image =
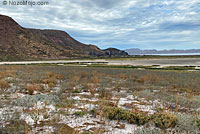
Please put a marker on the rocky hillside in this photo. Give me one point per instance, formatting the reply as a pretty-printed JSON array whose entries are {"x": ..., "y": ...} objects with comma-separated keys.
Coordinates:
[{"x": 19, "y": 43}]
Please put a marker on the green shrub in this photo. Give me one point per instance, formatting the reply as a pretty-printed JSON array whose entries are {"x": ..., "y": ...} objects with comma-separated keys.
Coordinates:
[
  {"x": 165, "y": 120},
  {"x": 138, "y": 118},
  {"x": 79, "y": 113},
  {"x": 114, "y": 113}
]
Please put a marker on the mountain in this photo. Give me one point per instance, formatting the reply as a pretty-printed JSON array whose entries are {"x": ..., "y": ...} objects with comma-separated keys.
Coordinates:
[
  {"x": 19, "y": 43},
  {"x": 136, "y": 51}
]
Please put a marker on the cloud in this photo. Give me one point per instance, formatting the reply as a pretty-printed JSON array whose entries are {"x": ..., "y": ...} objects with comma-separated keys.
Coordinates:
[{"x": 117, "y": 23}]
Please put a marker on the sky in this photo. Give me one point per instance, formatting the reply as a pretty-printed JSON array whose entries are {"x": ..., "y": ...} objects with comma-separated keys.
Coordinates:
[{"x": 123, "y": 24}]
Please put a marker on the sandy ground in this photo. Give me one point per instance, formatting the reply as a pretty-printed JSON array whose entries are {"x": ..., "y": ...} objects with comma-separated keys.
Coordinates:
[
  {"x": 143, "y": 62},
  {"x": 161, "y": 62}
]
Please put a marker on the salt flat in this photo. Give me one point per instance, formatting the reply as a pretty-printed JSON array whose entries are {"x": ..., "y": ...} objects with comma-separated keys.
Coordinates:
[
  {"x": 144, "y": 62},
  {"x": 161, "y": 62}
]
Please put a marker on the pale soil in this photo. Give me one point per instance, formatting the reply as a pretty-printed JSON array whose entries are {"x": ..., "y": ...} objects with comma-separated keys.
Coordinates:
[{"x": 137, "y": 62}]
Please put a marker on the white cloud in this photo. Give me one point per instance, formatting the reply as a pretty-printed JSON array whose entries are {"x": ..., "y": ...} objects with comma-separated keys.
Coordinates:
[{"x": 115, "y": 22}]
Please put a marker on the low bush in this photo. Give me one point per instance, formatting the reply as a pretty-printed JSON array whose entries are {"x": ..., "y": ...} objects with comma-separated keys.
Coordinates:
[
  {"x": 165, "y": 120},
  {"x": 114, "y": 113},
  {"x": 187, "y": 123},
  {"x": 138, "y": 118}
]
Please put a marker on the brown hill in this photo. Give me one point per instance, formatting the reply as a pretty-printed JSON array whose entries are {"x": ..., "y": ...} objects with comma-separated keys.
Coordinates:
[{"x": 18, "y": 43}]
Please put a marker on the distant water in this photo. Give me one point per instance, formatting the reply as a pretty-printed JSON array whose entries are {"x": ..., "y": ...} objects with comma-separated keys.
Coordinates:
[{"x": 173, "y": 54}]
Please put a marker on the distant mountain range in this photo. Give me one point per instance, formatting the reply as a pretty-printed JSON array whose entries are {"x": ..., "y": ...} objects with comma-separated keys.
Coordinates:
[
  {"x": 19, "y": 43},
  {"x": 136, "y": 51}
]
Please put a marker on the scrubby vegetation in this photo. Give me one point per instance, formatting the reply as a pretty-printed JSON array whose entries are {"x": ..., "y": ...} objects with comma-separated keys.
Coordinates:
[
  {"x": 53, "y": 98},
  {"x": 165, "y": 120}
]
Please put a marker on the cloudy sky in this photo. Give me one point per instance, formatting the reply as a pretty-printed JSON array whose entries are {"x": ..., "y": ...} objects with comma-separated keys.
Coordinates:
[{"x": 145, "y": 24}]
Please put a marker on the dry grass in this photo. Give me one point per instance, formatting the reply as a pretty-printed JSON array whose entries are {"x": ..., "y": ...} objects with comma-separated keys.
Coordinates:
[
  {"x": 51, "y": 79},
  {"x": 4, "y": 84},
  {"x": 180, "y": 88},
  {"x": 33, "y": 87}
]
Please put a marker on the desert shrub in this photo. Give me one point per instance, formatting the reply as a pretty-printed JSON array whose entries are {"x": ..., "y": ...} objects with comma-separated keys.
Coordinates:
[
  {"x": 4, "y": 84},
  {"x": 79, "y": 113},
  {"x": 148, "y": 131},
  {"x": 51, "y": 82},
  {"x": 187, "y": 123},
  {"x": 115, "y": 113},
  {"x": 51, "y": 79},
  {"x": 30, "y": 100},
  {"x": 138, "y": 118},
  {"x": 165, "y": 120},
  {"x": 33, "y": 87}
]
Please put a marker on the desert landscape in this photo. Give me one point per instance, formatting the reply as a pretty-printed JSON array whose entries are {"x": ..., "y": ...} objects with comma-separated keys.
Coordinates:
[
  {"x": 89, "y": 100},
  {"x": 99, "y": 67}
]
